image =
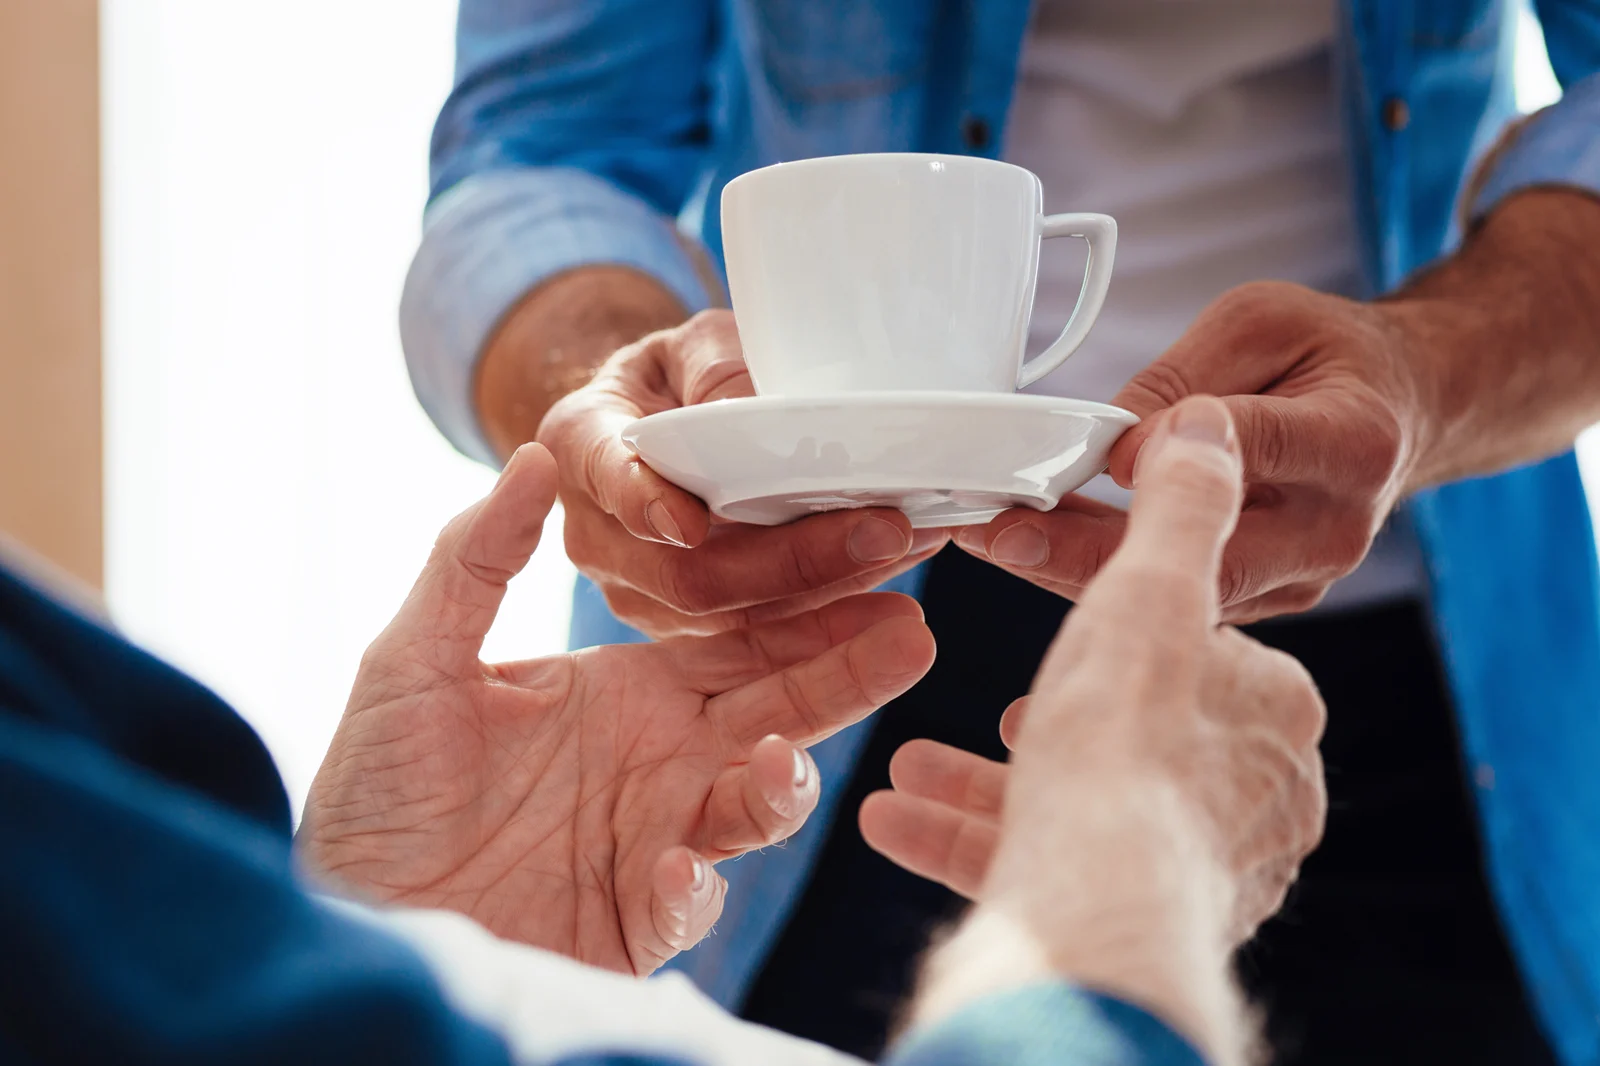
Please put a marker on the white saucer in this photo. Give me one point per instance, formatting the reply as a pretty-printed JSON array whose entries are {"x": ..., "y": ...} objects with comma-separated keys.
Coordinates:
[{"x": 944, "y": 458}]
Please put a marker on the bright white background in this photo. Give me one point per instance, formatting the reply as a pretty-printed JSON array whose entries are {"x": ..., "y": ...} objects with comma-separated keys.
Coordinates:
[{"x": 272, "y": 484}]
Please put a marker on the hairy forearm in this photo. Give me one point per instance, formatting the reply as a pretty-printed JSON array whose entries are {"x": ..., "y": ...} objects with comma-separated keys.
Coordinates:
[
  {"x": 1505, "y": 338},
  {"x": 1116, "y": 892},
  {"x": 553, "y": 341}
]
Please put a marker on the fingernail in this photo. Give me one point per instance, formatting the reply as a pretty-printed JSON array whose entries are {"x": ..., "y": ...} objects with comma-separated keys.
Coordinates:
[
  {"x": 699, "y": 881},
  {"x": 1021, "y": 545},
  {"x": 1203, "y": 419},
  {"x": 659, "y": 519},
  {"x": 785, "y": 802},
  {"x": 876, "y": 541}
]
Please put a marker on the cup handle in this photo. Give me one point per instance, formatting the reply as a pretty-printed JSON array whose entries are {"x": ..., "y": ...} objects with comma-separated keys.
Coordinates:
[{"x": 1100, "y": 232}]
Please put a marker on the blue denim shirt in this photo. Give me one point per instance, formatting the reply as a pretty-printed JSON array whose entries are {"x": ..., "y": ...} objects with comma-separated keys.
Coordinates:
[{"x": 602, "y": 131}]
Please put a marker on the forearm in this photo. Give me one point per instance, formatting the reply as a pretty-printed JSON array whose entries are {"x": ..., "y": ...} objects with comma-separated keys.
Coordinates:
[
  {"x": 1120, "y": 897},
  {"x": 1505, "y": 338},
  {"x": 555, "y": 338}
]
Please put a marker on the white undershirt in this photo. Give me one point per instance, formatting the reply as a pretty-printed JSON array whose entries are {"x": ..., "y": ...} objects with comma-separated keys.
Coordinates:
[
  {"x": 546, "y": 1006},
  {"x": 1209, "y": 130}
]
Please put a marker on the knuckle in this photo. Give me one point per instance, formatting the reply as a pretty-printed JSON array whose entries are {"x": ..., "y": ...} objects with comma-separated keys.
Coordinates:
[
  {"x": 592, "y": 467},
  {"x": 631, "y": 364},
  {"x": 1315, "y": 821},
  {"x": 1310, "y": 718},
  {"x": 1299, "y": 710},
  {"x": 800, "y": 566},
  {"x": 625, "y": 605},
  {"x": 1163, "y": 381},
  {"x": 483, "y": 571},
  {"x": 374, "y": 660},
  {"x": 712, "y": 358},
  {"x": 684, "y": 587},
  {"x": 1306, "y": 814},
  {"x": 1232, "y": 580},
  {"x": 800, "y": 701},
  {"x": 710, "y": 324},
  {"x": 1078, "y": 562},
  {"x": 1345, "y": 544},
  {"x": 1259, "y": 301},
  {"x": 557, "y": 423},
  {"x": 1267, "y": 440}
]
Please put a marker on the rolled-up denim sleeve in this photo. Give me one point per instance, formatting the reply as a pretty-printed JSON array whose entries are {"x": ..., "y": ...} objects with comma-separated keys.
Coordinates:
[
  {"x": 494, "y": 237},
  {"x": 574, "y": 135},
  {"x": 1049, "y": 1024},
  {"x": 1560, "y": 145}
]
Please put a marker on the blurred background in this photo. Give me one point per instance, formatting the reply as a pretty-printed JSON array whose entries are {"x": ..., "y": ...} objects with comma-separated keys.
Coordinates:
[{"x": 206, "y": 211}]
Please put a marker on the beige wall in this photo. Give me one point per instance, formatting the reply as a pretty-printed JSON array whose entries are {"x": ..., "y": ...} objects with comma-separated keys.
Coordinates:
[{"x": 50, "y": 477}]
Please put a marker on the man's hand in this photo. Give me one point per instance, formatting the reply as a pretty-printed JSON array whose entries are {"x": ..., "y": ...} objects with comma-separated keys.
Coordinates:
[
  {"x": 1343, "y": 408},
  {"x": 664, "y": 565},
  {"x": 1165, "y": 783},
  {"x": 578, "y": 802},
  {"x": 1329, "y": 416}
]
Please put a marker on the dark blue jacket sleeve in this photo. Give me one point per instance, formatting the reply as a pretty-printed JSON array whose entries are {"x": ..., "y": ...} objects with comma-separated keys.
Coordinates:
[
  {"x": 149, "y": 911},
  {"x": 141, "y": 922}
]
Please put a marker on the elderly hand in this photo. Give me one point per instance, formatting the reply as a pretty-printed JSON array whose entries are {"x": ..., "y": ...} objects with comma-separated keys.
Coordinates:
[
  {"x": 1166, "y": 781},
  {"x": 1330, "y": 418},
  {"x": 577, "y": 802},
  {"x": 664, "y": 565}
]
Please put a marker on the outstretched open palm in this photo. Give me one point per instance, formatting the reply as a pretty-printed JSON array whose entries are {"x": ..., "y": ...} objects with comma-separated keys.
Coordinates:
[{"x": 577, "y": 802}]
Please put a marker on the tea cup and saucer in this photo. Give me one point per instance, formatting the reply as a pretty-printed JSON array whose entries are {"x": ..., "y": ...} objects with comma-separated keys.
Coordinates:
[{"x": 882, "y": 303}]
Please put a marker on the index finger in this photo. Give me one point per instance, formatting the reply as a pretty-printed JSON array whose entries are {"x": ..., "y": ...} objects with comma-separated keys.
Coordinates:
[
  {"x": 584, "y": 433},
  {"x": 809, "y": 701},
  {"x": 723, "y": 661},
  {"x": 1238, "y": 346},
  {"x": 1332, "y": 440}
]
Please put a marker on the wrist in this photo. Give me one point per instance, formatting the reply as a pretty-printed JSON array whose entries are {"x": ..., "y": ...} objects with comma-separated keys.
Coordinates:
[
  {"x": 554, "y": 341},
  {"x": 1499, "y": 338},
  {"x": 1116, "y": 888},
  {"x": 1417, "y": 331}
]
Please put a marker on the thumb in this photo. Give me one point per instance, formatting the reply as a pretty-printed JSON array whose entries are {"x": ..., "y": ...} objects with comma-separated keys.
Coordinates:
[
  {"x": 704, "y": 360},
  {"x": 686, "y": 897},
  {"x": 1189, "y": 485},
  {"x": 459, "y": 591}
]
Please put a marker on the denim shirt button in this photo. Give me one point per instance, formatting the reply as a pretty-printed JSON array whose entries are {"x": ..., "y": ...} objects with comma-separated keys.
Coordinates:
[
  {"x": 1396, "y": 115},
  {"x": 974, "y": 132}
]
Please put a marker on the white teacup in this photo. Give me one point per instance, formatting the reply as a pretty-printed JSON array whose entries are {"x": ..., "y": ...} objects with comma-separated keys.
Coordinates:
[{"x": 898, "y": 271}]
